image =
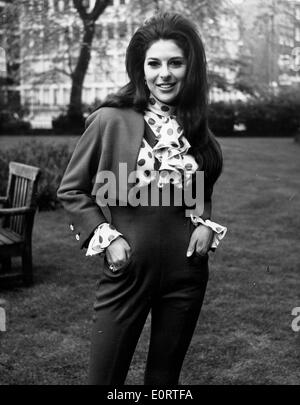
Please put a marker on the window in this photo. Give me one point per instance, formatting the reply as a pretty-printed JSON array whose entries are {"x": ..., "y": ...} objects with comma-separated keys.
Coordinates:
[
  {"x": 122, "y": 2},
  {"x": 122, "y": 29},
  {"x": 46, "y": 97},
  {"x": 36, "y": 96},
  {"x": 286, "y": 41},
  {"x": 27, "y": 96},
  {"x": 110, "y": 31},
  {"x": 66, "y": 94},
  {"x": 99, "y": 30},
  {"x": 55, "y": 96},
  {"x": 298, "y": 13}
]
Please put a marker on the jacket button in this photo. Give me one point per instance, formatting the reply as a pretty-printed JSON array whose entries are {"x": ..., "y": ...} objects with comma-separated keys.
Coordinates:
[
  {"x": 77, "y": 236},
  {"x": 72, "y": 227}
]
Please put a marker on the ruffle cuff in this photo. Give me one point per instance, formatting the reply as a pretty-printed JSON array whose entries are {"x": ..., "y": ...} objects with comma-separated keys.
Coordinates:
[
  {"x": 219, "y": 230},
  {"x": 103, "y": 236}
]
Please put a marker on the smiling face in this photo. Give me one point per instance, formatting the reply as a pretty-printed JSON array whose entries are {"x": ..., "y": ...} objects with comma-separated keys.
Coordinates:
[{"x": 165, "y": 69}]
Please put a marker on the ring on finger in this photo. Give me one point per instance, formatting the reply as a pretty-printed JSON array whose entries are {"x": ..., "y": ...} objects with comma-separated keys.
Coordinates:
[{"x": 200, "y": 254}]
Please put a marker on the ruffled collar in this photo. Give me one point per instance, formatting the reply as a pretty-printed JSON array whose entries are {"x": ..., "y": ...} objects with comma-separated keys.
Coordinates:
[{"x": 172, "y": 147}]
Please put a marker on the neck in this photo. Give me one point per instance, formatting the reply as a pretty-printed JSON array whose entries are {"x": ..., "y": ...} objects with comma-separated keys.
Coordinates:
[{"x": 159, "y": 107}]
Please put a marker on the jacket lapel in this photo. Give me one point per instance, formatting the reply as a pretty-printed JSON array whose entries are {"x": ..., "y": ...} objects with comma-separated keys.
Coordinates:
[{"x": 130, "y": 138}]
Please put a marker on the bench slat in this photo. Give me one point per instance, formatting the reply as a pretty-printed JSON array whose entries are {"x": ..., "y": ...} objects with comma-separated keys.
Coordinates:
[
  {"x": 5, "y": 241},
  {"x": 7, "y": 235}
]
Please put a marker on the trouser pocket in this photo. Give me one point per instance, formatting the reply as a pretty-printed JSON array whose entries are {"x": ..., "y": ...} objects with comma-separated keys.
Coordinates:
[{"x": 120, "y": 272}]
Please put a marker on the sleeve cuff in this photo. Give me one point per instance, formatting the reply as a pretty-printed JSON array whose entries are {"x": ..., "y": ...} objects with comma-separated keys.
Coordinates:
[
  {"x": 219, "y": 230},
  {"x": 103, "y": 236}
]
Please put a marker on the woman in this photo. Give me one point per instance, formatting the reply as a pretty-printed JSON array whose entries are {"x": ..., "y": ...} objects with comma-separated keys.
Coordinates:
[{"x": 153, "y": 257}]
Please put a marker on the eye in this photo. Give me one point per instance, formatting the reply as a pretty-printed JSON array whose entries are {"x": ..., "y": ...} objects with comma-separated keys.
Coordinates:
[
  {"x": 153, "y": 63},
  {"x": 177, "y": 63}
]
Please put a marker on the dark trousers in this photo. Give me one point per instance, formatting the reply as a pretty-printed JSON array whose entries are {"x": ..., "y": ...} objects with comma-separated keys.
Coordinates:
[{"x": 158, "y": 278}]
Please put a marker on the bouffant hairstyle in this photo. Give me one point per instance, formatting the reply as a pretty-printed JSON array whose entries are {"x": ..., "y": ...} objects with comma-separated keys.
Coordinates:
[{"x": 192, "y": 103}]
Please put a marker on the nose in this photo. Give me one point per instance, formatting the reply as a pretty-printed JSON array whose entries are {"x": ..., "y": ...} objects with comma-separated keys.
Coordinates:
[{"x": 164, "y": 72}]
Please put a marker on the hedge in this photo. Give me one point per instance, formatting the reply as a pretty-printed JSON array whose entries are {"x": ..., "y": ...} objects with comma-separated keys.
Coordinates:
[
  {"x": 278, "y": 116},
  {"x": 275, "y": 117},
  {"x": 63, "y": 124}
]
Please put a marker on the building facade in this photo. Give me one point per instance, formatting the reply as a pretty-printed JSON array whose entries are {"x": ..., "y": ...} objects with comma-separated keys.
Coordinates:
[
  {"x": 49, "y": 51},
  {"x": 271, "y": 33},
  {"x": 50, "y": 32},
  {"x": 265, "y": 33},
  {"x": 9, "y": 60}
]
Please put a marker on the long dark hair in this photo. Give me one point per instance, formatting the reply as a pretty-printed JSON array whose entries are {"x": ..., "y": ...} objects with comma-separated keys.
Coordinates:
[{"x": 193, "y": 98}]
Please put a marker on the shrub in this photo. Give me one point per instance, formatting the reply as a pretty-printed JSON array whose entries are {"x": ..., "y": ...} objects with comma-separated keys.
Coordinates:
[
  {"x": 63, "y": 124},
  {"x": 51, "y": 159},
  {"x": 276, "y": 117},
  {"x": 221, "y": 118},
  {"x": 11, "y": 123}
]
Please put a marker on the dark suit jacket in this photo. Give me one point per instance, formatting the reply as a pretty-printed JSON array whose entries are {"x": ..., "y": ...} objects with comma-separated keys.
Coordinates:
[{"x": 112, "y": 136}]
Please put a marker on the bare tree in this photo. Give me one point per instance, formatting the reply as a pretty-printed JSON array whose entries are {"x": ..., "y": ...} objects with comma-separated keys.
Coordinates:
[
  {"x": 65, "y": 37},
  {"x": 88, "y": 20}
]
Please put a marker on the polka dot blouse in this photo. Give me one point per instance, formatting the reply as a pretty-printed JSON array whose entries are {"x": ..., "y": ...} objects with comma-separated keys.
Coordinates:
[{"x": 170, "y": 151}]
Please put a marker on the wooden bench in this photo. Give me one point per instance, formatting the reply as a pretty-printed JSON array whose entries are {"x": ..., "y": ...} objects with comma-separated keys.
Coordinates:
[{"x": 16, "y": 220}]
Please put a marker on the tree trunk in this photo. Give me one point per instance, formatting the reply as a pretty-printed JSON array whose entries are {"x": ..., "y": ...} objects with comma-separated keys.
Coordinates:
[{"x": 75, "y": 106}]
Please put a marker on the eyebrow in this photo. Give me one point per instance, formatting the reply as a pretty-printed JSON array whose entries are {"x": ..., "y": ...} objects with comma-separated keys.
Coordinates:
[{"x": 173, "y": 57}]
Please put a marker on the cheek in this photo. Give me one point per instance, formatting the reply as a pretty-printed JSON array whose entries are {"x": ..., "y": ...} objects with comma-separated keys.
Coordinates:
[
  {"x": 149, "y": 75},
  {"x": 181, "y": 74}
]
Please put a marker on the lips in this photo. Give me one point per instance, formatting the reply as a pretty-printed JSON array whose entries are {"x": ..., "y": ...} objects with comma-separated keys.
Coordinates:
[{"x": 166, "y": 85}]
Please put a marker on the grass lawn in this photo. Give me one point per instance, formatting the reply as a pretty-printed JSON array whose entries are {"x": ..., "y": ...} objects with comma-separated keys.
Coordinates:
[
  {"x": 11, "y": 141},
  {"x": 244, "y": 333}
]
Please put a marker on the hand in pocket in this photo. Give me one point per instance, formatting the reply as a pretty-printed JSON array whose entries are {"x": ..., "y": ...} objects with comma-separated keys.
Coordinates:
[
  {"x": 118, "y": 253},
  {"x": 200, "y": 241}
]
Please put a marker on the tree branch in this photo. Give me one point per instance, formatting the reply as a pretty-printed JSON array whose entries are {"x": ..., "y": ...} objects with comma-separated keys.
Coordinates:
[
  {"x": 99, "y": 7},
  {"x": 78, "y": 4},
  {"x": 69, "y": 43}
]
